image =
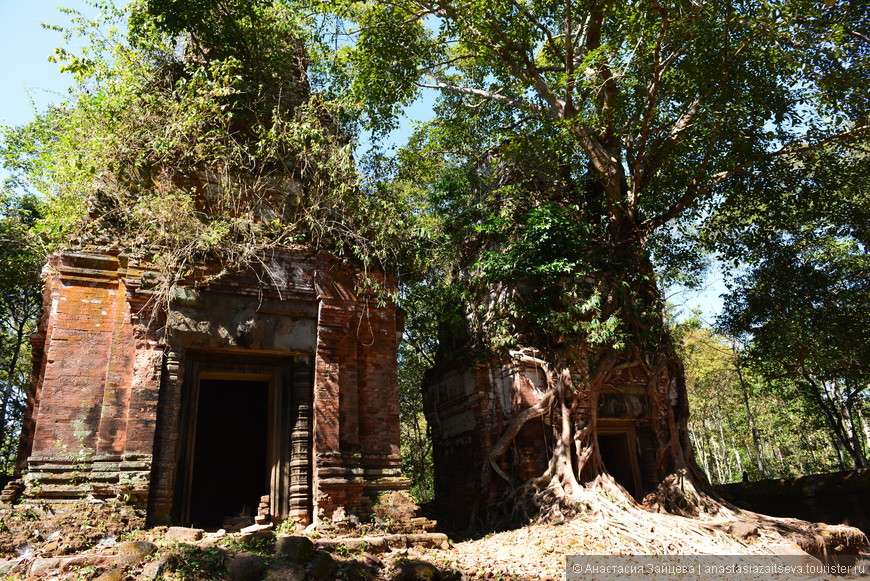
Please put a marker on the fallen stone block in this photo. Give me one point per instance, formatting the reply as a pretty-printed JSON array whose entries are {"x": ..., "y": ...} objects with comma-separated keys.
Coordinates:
[
  {"x": 183, "y": 534},
  {"x": 132, "y": 552},
  {"x": 246, "y": 567},
  {"x": 295, "y": 549},
  {"x": 285, "y": 572}
]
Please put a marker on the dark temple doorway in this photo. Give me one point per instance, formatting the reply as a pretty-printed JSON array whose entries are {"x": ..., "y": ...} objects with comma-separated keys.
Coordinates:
[
  {"x": 620, "y": 459},
  {"x": 230, "y": 459}
]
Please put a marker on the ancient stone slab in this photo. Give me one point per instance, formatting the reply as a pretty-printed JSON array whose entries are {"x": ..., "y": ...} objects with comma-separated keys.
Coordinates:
[
  {"x": 285, "y": 572},
  {"x": 322, "y": 566},
  {"x": 156, "y": 569},
  {"x": 246, "y": 567},
  {"x": 132, "y": 552},
  {"x": 296, "y": 549},
  {"x": 416, "y": 570},
  {"x": 183, "y": 534}
]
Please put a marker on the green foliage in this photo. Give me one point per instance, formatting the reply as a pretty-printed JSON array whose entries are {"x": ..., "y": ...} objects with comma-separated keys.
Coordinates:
[
  {"x": 581, "y": 153},
  {"x": 194, "y": 135},
  {"x": 792, "y": 437},
  {"x": 803, "y": 302},
  {"x": 572, "y": 145},
  {"x": 807, "y": 308},
  {"x": 20, "y": 303},
  {"x": 416, "y": 356},
  {"x": 415, "y": 435},
  {"x": 384, "y": 65},
  {"x": 560, "y": 160}
]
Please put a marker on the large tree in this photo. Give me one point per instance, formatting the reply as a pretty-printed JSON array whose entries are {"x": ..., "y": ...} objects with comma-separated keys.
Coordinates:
[
  {"x": 20, "y": 303},
  {"x": 574, "y": 148},
  {"x": 802, "y": 304}
]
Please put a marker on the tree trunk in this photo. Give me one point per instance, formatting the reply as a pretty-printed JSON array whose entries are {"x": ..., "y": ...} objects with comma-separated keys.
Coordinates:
[
  {"x": 576, "y": 462},
  {"x": 725, "y": 475},
  {"x": 840, "y": 439},
  {"x": 863, "y": 421},
  {"x": 756, "y": 439},
  {"x": 855, "y": 431},
  {"x": 10, "y": 377}
]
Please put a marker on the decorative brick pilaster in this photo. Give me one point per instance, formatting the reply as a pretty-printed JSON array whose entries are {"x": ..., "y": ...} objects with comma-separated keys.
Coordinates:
[
  {"x": 300, "y": 441},
  {"x": 166, "y": 438}
]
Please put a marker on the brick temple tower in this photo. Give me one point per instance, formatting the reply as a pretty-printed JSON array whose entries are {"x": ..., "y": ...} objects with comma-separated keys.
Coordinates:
[{"x": 278, "y": 380}]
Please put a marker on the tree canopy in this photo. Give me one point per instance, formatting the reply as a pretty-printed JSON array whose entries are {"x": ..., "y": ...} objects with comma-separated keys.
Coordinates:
[
  {"x": 802, "y": 304},
  {"x": 193, "y": 133},
  {"x": 622, "y": 129}
]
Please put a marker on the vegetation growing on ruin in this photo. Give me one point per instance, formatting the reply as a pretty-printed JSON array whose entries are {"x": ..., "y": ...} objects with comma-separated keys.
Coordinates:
[
  {"x": 581, "y": 157},
  {"x": 195, "y": 133}
]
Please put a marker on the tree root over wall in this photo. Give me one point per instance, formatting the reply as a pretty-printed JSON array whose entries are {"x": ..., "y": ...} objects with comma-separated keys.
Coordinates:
[{"x": 576, "y": 485}]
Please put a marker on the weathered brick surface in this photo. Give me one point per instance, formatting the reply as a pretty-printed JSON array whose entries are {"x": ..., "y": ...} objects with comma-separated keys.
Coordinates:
[
  {"x": 106, "y": 409},
  {"x": 469, "y": 405},
  {"x": 356, "y": 428}
]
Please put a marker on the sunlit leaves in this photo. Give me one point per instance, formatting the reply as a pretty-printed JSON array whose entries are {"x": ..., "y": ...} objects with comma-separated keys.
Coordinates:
[
  {"x": 792, "y": 438},
  {"x": 194, "y": 133}
]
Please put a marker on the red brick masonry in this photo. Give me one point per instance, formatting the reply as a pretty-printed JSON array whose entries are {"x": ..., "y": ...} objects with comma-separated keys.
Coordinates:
[{"x": 116, "y": 379}]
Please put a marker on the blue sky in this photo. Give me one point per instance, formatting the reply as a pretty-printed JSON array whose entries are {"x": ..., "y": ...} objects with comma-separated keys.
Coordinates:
[
  {"x": 28, "y": 77},
  {"x": 31, "y": 83}
]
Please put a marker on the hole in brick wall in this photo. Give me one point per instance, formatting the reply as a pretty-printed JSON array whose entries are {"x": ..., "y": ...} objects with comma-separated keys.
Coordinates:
[
  {"x": 616, "y": 452},
  {"x": 230, "y": 455}
]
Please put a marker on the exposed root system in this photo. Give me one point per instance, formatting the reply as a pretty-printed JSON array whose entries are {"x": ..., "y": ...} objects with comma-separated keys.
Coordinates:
[{"x": 606, "y": 523}]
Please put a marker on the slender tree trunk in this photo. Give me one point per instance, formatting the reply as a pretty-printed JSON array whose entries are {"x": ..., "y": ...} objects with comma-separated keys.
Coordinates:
[
  {"x": 756, "y": 439},
  {"x": 782, "y": 465},
  {"x": 712, "y": 465},
  {"x": 841, "y": 455},
  {"x": 863, "y": 420},
  {"x": 809, "y": 446},
  {"x": 737, "y": 458},
  {"x": 700, "y": 452},
  {"x": 10, "y": 377},
  {"x": 854, "y": 429},
  {"x": 723, "y": 453},
  {"x": 840, "y": 439}
]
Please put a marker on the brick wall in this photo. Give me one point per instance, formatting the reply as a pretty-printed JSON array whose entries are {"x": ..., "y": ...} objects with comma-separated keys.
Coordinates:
[
  {"x": 469, "y": 405},
  {"x": 106, "y": 410}
]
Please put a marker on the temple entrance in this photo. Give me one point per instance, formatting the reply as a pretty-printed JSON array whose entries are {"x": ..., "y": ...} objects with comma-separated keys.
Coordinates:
[
  {"x": 230, "y": 460},
  {"x": 618, "y": 446},
  {"x": 245, "y": 432}
]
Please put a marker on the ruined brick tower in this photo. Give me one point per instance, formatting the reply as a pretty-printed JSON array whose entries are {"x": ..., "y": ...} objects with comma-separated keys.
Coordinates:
[
  {"x": 279, "y": 380},
  {"x": 470, "y": 405}
]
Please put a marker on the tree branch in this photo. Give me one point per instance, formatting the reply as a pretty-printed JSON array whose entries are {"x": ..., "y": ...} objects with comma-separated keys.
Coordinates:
[
  {"x": 489, "y": 95},
  {"x": 652, "y": 100},
  {"x": 570, "y": 79},
  {"x": 649, "y": 165},
  {"x": 526, "y": 69},
  {"x": 695, "y": 192},
  {"x": 536, "y": 22}
]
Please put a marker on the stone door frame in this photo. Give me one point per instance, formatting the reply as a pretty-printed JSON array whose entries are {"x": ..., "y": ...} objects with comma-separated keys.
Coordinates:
[
  {"x": 290, "y": 384},
  {"x": 628, "y": 429}
]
